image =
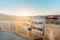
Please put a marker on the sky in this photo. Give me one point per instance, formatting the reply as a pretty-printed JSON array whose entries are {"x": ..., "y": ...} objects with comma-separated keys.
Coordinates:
[{"x": 30, "y": 7}]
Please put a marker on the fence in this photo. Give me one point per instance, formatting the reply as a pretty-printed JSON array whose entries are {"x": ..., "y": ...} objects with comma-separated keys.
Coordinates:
[{"x": 17, "y": 27}]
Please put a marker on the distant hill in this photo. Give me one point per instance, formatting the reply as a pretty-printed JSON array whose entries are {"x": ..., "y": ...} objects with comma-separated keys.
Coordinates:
[{"x": 8, "y": 17}]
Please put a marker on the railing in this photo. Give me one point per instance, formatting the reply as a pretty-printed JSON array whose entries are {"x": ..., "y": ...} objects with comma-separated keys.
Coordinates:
[
  {"x": 7, "y": 25},
  {"x": 13, "y": 26}
]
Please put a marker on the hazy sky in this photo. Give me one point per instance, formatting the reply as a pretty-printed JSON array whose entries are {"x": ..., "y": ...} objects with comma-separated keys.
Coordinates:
[{"x": 29, "y": 7}]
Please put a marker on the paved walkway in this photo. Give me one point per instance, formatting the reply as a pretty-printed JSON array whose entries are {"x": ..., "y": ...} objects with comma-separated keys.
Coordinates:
[{"x": 7, "y": 35}]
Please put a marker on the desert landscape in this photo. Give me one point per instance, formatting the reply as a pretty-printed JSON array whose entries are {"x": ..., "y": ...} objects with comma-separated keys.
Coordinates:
[{"x": 21, "y": 25}]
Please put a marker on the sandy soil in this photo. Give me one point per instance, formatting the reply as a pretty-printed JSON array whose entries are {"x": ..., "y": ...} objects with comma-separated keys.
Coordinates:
[{"x": 52, "y": 32}]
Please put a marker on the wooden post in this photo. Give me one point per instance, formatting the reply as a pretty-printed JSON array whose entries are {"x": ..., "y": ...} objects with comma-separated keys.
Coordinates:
[{"x": 44, "y": 28}]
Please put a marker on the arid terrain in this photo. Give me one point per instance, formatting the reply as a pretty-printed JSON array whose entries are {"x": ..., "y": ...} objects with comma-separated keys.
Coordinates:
[
  {"x": 20, "y": 25},
  {"x": 53, "y": 32}
]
